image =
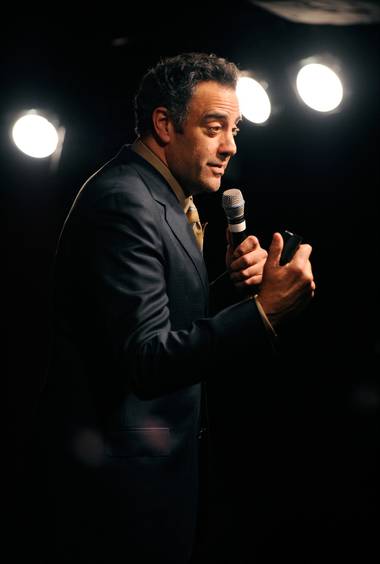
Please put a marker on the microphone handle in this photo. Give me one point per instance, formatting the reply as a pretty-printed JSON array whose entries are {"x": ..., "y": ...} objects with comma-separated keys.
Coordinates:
[{"x": 238, "y": 237}]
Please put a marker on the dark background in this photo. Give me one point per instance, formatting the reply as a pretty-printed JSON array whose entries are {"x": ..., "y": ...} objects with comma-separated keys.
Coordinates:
[{"x": 314, "y": 414}]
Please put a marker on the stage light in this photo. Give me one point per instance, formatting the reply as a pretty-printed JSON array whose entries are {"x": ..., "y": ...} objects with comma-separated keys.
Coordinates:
[
  {"x": 319, "y": 87},
  {"x": 35, "y": 135},
  {"x": 253, "y": 99}
]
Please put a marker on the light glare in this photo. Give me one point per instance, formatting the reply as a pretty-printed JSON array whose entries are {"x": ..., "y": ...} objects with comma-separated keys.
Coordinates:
[
  {"x": 35, "y": 136},
  {"x": 319, "y": 87},
  {"x": 253, "y": 99}
]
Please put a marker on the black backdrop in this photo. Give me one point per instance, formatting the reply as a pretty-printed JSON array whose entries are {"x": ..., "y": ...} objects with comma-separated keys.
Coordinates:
[{"x": 315, "y": 413}]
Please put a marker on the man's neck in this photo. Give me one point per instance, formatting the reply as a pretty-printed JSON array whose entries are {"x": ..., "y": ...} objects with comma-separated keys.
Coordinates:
[
  {"x": 146, "y": 152},
  {"x": 155, "y": 147}
]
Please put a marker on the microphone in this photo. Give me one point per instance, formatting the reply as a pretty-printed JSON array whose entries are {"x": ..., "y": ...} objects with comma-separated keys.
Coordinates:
[{"x": 233, "y": 205}]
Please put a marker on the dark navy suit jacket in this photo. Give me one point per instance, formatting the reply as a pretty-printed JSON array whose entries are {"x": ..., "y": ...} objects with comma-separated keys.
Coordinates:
[{"x": 132, "y": 340}]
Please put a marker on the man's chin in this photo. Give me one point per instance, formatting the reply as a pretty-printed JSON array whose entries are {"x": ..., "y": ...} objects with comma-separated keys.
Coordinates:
[
  {"x": 213, "y": 185},
  {"x": 208, "y": 187}
]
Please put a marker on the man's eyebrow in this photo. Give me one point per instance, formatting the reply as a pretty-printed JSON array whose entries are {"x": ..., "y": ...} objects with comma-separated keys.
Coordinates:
[{"x": 220, "y": 115}]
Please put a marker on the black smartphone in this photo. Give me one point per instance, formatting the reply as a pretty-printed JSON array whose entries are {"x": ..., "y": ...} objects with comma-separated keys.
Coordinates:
[{"x": 291, "y": 244}]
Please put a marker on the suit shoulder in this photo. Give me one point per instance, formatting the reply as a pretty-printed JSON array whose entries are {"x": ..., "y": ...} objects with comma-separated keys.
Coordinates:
[
  {"x": 116, "y": 179},
  {"x": 116, "y": 183}
]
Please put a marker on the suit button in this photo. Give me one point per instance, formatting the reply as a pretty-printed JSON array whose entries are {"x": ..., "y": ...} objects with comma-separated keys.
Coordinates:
[{"x": 201, "y": 433}]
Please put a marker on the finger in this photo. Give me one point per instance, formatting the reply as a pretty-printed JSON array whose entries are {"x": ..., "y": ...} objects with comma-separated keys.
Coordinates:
[
  {"x": 253, "y": 281},
  {"x": 229, "y": 236},
  {"x": 257, "y": 257},
  {"x": 303, "y": 253},
  {"x": 249, "y": 244},
  {"x": 275, "y": 249},
  {"x": 228, "y": 258},
  {"x": 255, "y": 270},
  {"x": 307, "y": 289}
]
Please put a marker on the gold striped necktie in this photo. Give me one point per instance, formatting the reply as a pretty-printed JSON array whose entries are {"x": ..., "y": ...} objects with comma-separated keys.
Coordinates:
[{"x": 193, "y": 219}]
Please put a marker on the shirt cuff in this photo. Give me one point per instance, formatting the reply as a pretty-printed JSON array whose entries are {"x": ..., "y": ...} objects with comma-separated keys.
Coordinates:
[{"x": 264, "y": 317}]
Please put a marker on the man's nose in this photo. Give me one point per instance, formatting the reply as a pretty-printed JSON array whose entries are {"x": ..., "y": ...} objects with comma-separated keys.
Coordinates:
[{"x": 228, "y": 146}]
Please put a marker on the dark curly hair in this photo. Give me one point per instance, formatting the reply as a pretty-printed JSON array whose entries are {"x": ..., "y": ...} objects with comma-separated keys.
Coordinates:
[{"x": 171, "y": 84}]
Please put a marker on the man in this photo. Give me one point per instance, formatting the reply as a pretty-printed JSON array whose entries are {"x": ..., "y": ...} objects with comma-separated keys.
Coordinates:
[{"x": 132, "y": 334}]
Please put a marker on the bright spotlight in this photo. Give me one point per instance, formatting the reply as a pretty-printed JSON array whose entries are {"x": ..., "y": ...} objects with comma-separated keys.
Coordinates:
[
  {"x": 35, "y": 136},
  {"x": 253, "y": 99},
  {"x": 319, "y": 87}
]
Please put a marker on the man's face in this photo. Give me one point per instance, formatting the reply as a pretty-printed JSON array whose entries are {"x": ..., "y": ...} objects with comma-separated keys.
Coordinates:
[{"x": 198, "y": 156}]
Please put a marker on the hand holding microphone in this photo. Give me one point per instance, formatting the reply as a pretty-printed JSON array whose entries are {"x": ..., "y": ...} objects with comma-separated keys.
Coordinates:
[
  {"x": 285, "y": 275},
  {"x": 245, "y": 258}
]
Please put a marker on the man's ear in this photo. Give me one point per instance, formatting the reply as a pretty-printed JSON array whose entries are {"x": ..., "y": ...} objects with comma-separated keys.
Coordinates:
[{"x": 161, "y": 124}]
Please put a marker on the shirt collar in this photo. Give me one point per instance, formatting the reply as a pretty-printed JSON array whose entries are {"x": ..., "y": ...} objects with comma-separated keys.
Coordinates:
[{"x": 146, "y": 153}]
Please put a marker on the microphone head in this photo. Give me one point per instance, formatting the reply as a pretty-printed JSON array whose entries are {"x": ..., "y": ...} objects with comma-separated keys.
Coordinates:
[{"x": 233, "y": 203}]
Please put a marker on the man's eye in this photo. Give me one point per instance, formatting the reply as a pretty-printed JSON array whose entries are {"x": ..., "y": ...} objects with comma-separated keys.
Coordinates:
[
  {"x": 214, "y": 128},
  {"x": 235, "y": 131}
]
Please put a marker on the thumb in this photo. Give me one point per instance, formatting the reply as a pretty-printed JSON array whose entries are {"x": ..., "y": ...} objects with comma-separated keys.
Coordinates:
[
  {"x": 229, "y": 249},
  {"x": 275, "y": 249},
  {"x": 229, "y": 236}
]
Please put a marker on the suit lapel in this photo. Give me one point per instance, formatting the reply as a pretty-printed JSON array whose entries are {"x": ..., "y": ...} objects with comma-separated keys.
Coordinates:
[
  {"x": 174, "y": 215},
  {"x": 183, "y": 231}
]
